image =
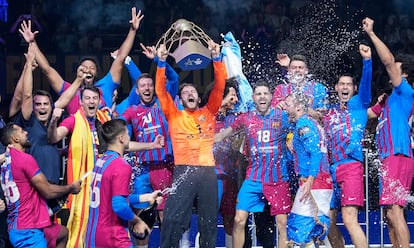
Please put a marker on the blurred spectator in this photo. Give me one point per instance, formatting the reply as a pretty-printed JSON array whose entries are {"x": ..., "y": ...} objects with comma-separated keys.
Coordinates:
[
  {"x": 275, "y": 15},
  {"x": 261, "y": 32}
]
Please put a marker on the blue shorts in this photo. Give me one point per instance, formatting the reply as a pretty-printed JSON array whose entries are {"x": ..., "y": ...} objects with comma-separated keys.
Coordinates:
[
  {"x": 253, "y": 195},
  {"x": 27, "y": 238},
  {"x": 142, "y": 185},
  {"x": 250, "y": 197}
]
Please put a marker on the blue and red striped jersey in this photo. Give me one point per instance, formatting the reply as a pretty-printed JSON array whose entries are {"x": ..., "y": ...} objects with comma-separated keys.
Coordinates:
[
  {"x": 393, "y": 130},
  {"x": 147, "y": 122},
  {"x": 266, "y": 140}
]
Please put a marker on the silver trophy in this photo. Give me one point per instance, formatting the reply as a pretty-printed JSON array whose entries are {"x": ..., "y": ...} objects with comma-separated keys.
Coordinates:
[{"x": 187, "y": 44}]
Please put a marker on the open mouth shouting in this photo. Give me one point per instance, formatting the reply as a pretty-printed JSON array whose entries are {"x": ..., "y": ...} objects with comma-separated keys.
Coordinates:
[
  {"x": 42, "y": 115},
  {"x": 344, "y": 95},
  {"x": 88, "y": 79},
  {"x": 91, "y": 110},
  {"x": 147, "y": 96},
  {"x": 191, "y": 99}
]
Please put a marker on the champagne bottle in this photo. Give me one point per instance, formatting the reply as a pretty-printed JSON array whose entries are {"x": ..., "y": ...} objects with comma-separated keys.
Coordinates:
[{"x": 149, "y": 216}]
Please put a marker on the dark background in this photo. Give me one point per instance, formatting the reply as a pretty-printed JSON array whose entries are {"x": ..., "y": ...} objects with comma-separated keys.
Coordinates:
[{"x": 327, "y": 32}]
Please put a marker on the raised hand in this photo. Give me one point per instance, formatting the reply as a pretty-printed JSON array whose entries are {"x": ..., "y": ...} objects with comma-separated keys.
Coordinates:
[
  {"x": 149, "y": 51},
  {"x": 135, "y": 18},
  {"x": 26, "y": 31},
  {"x": 162, "y": 52},
  {"x": 82, "y": 73},
  {"x": 57, "y": 113},
  {"x": 282, "y": 59},
  {"x": 114, "y": 54},
  {"x": 365, "y": 51},
  {"x": 214, "y": 48},
  {"x": 30, "y": 56},
  {"x": 368, "y": 25}
]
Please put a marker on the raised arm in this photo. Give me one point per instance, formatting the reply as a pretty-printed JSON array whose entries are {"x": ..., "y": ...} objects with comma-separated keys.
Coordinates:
[
  {"x": 170, "y": 73},
  {"x": 387, "y": 58},
  {"x": 220, "y": 75},
  {"x": 166, "y": 101},
  {"x": 365, "y": 85},
  {"x": 283, "y": 60},
  {"x": 16, "y": 101},
  {"x": 117, "y": 64},
  {"x": 55, "y": 80},
  {"x": 27, "y": 101},
  {"x": 55, "y": 133},
  {"x": 134, "y": 72},
  {"x": 23, "y": 91},
  {"x": 70, "y": 92}
]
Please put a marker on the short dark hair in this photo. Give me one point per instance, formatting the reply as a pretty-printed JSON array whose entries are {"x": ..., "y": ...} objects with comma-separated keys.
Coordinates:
[
  {"x": 112, "y": 128},
  {"x": 91, "y": 88},
  {"x": 143, "y": 75},
  {"x": 299, "y": 57},
  {"x": 184, "y": 85},
  {"x": 90, "y": 58},
  {"x": 346, "y": 74},
  {"x": 230, "y": 83},
  {"x": 6, "y": 133},
  {"x": 44, "y": 93},
  {"x": 407, "y": 66},
  {"x": 259, "y": 83}
]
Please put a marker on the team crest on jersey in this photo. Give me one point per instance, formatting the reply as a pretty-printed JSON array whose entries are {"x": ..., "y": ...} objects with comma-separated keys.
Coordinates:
[
  {"x": 201, "y": 118},
  {"x": 276, "y": 124}
]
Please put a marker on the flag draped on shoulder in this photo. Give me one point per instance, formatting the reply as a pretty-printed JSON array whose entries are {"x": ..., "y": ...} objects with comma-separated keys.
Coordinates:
[{"x": 81, "y": 159}]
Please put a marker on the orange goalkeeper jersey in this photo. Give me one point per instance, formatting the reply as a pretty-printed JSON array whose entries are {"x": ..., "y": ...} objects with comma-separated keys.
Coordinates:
[{"x": 192, "y": 133}]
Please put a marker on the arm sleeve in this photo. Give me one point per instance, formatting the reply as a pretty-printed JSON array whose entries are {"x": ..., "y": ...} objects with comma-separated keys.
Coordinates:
[
  {"x": 133, "y": 71},
  {"x": 311, "y": 142},
  {"x": 121, "y": 207},
  {"x": 69, "y": 123},
  {"x": 107, "y": 86},
  {"x": 405, "y": 90},
  {"x": 134, "y": 199},
  {"x": 172, "y": 79},
  {"x": 166, "y": 101},
  {"x": 133, "y": 97},
  {"x": 216, "y": 95},
  {"x": 65, "y": 85},
  {"x": 122, "y": 107},
  {"x": 364, "y": 92}
]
